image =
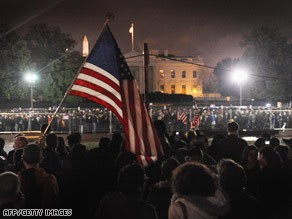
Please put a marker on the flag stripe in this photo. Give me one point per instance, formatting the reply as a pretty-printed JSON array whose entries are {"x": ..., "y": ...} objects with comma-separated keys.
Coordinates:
[
  {"x": 128, "y": 119},
  {"x": 116, "y": 97},
  {"x": 145, "y": 125},
  {"x": 102, "y": 72},
  {"x": 101, "y": 77},
  {"x": 100, "y": 96},
  {"x": 93, "y": 98},
  {"x": 133, "y": 114}
]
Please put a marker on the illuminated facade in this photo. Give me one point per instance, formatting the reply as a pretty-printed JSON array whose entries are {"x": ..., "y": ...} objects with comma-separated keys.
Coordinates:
[{"x": 168, "y": 74}]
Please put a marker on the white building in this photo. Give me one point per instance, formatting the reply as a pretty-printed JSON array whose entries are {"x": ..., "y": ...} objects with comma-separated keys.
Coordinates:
[{"x": 168, "y": 74}]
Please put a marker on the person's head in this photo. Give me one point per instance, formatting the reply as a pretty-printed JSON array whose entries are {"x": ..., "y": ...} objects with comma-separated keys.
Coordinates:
[
  {"x": 17, "y": 156},
  {"x": 131, "y": 179},
  {"x": 268, "y": 157},
  {"x": 274, "y": 142},
  {"x": 200, "y": 141},
  {"x": 104, "y": 142},
  {"x": 2, "y": 143},
  {"x": 124, "y": 158},
  {"x": 32, "y": 154},
  {"x": 260, "y": 142},
  {"x": 160, "y": 127},
  {"x": 73, "y": 139},
  {"x": 266, "y": 136},
  {"x": 117, "y": 140},
  {"x": 193, "y": 179},
  {"x": 52, "y": 140},
  {"x": 195, "y": 153},
  {"x": 167, "y": 167},
  {"x": 232, "y": 128},
  {"x": 181, "y": 154},
  {"x": 284, "y": 152},
  {"x": 20, "y": 142},
  {"x": 250, "y": 155},
  {"x": 191, "y": 135},
  {"x": 9, "y": 187},
  {"x": 232, "y": 177}
]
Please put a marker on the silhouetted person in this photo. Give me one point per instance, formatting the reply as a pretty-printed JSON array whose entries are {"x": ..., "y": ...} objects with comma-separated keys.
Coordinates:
[{"x": 232, "y": 146}]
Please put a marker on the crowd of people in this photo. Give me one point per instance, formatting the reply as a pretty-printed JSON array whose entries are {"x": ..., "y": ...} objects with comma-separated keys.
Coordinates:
[
  {"x": 96, "y": 120},
  {"x": 194, "y": 179}
]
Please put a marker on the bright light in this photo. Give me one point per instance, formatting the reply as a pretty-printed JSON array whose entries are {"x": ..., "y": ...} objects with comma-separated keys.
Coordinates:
[
  {"x": 268, "y": 105},
  {"x": 31, "y": 78},
  {"x": 239, "y": 75}
]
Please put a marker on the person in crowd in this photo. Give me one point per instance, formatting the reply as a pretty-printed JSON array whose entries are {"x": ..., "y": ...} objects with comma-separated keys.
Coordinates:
[
  {"x": 39, "y": 188},
  {"x": 196, "y": 193},
  {"x": 104, "y": 143},
  {"x": 260, "y": 142},
  {"x": 232, "y": 146},
  {"x": 250, "y": 163},
  {"x": 127, "y": 203},
  {"x": 161, "y": 131},
  {"x": 232, "y": 180},
  {"x": 270, "y": 183},
  {"x": 160, "y": 193},
  {"x": 196, "y": 154},
  {"x": 212, "y": 148},
  {"x": 19, "y": 142},
  {"x": 17, "y": 162},
  {"x": 50, "y": 162},
  {"x": 10, "y": 195},
  {"x": 274, "y": 142},
  {"x": 72, "y": 140},
  {"x": 181, "y": 155},
  {"x": 2, "y": 144}
]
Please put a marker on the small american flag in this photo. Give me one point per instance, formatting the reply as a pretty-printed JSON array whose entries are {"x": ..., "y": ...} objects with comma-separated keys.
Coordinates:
[
  {"x": 195, "y": 122},
  {"x": 183, "y": 117},
  {"x": 106, "y": 78}
]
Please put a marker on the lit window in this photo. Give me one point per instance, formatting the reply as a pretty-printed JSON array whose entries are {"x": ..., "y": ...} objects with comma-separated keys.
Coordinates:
[
  {"x": 173, "y": 89},
  {"x": 184, "y": 90},
  {"x": 172, "y": 74},
  {"x": 162, "y": 88},
  {"x": 183, "y": 74},
  {"x": 161, "y": 73},
  {"x": 194, "y": 74}
]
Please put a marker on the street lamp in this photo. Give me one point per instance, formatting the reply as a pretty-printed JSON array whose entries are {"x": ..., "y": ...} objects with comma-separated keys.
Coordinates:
[
  {"x": 239, "y": 75},
  {"x": 31, "y": 78}
]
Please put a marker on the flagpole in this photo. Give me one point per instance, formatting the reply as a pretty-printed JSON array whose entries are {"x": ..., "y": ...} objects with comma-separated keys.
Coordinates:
[
  {"x": 109, "y": 17},
  {"x": 132, "y": 37}
]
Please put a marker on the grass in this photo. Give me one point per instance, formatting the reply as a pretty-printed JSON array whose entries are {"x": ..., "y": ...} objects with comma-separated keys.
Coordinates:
[{"x": 90, "y": 144}]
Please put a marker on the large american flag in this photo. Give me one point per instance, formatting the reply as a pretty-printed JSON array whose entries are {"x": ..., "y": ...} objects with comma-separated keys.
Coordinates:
[{"x": 106, "y": 78}]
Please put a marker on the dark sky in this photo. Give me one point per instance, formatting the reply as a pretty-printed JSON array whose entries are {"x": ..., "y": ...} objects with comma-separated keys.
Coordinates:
[{"x": 213, "y": 29}]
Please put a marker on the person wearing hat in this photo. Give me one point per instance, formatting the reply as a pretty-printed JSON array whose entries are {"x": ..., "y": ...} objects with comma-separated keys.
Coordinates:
[{"x": 40, "y": 188}]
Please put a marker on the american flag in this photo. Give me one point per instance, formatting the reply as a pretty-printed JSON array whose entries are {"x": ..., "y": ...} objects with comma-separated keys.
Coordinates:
[
  {"x": 195, "y": 122},
  {"x": 183, "y": 117},
  {"x": 106, "y": 78}
]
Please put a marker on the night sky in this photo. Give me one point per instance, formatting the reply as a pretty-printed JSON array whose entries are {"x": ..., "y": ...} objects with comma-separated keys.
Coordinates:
[{"x": 212, "y": 29}]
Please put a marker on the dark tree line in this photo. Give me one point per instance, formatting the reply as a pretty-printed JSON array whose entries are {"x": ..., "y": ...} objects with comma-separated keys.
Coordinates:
[
  {"x": 44, "y": 50},
  {"x": 268, "y": 58}
]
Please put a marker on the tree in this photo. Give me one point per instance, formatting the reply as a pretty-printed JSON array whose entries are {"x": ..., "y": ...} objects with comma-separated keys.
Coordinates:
[
  {"x": 57, "y": 63},
  {"x": 59, "y": 77},
  {"x": 269, "y": 55},
  {"x": 223, "y": 71},
  {"x": 14, "y": 61},
  {"x": 209, "y": 81}
]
